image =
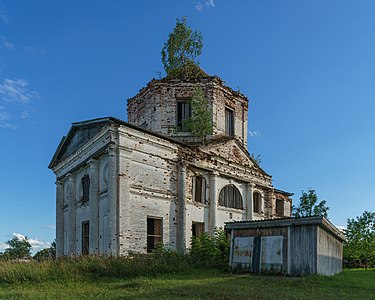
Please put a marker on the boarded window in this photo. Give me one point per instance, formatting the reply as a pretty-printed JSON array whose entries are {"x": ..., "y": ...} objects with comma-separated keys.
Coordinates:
[
  {"x": 197, "y": 229},
  {"x": 280, "y": 207},
  {"x": 85, "y": 188},
  {"x": 257, "y": 202},
  {"x": 200, "y": 189},
  {"x": 154, "y": 233},
  {"x": 183, "y": 113},
  {"x": 229, "y": 122},
  {"x": 85, "y": 237},
  {"x": 230, "y": 196}
]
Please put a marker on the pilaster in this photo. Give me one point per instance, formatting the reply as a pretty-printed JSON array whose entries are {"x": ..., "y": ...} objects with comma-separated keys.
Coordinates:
[
  {"x": 112, "y": 200},
  {"x": 181, "y": 208},
  {"x": 59, "y": 219},
  {"x": 94, "y": 207},
  {"x": 249, "y": 201},
  {"x": 71, "y": 196},
  {"x": 213, "y": 203}
]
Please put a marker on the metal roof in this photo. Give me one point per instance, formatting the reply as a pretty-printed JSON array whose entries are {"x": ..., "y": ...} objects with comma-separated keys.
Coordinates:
[{"x": 316, "y": 220}]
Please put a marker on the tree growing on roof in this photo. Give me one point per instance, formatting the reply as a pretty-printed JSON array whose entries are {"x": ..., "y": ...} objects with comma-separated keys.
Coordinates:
[
  {"x": 309, "y": 206},
  {"x": 179, "y": 54},
  {"x": 200, "y": 121}
]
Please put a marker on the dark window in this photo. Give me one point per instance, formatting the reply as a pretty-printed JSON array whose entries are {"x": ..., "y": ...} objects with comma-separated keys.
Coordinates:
[
  {"x": 229, "y": 122},
  {"x": 183, "y": 112},
  {"x": 197, "y": 229},
  {"x": 230, "y": 196},
  {"x": 85, "y": 188},
  {"x": 85, "y": 237},
  {"x": 279, "y": 207},
  {"x": 200, "y": 189},
  {"x": 154, "y": 233},
  {"x": 257, "y": 202}
]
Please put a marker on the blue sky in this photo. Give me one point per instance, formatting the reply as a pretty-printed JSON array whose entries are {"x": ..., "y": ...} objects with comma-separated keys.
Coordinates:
[{"x": 307, "y": 67}]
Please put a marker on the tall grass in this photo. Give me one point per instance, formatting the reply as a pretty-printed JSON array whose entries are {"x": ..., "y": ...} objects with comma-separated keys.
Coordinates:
[
  {"x": 206, "y": 252},
  {"x": 91, "y": 267}
]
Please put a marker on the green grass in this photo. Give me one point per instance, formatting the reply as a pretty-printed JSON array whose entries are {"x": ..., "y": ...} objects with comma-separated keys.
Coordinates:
[{"x": 94, "y": 278}]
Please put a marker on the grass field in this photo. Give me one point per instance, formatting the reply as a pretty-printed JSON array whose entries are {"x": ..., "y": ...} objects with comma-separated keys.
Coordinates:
[{"x": 196, "y": 284}]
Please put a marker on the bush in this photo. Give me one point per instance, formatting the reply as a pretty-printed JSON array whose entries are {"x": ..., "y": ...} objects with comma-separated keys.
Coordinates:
[{"x": 210, "y": 252}]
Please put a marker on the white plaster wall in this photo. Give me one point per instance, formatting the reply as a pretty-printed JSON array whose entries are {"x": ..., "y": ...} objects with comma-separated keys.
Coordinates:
[{"x": 148, "y": 178}]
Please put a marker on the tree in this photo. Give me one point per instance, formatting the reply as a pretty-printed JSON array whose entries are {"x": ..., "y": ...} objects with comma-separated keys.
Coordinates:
[
  {"x": 181, "y": 50},
  {"x": 359, "y": 250},
  {"x": 200, "y": 122},
  {"x": 309, "y": 206},
  {"x": 256, "y": 158},
  {"x": 18, "y": 248},
  {"x": 47, "y": 253}
]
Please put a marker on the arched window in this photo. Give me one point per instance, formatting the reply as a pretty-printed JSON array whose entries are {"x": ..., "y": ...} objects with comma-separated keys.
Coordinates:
[
  {"x": 200, "y": 189},
  {"x": 230, "y": 196},
  {"x": 85, "y": 181},
  {"x": 257, "y": 202}
]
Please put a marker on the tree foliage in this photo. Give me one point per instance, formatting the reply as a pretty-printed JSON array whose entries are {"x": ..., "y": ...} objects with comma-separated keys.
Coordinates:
[
  {"x": 256, "y": 158},
  {"x": 207, "y": 251},
  {"x": 309, "y": 205},
  {"x": 18, "y": 248},
  {"x": 47, "y": 253},
  {"x": 359, "y": 251},
  {"x": 200, "y": 122},
  {"x": 179, "y": 54}
]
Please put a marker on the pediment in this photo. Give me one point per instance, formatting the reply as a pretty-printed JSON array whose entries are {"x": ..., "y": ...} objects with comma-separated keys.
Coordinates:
[
  {"x": 232, "y": 151},
  {"x": 78, "y": 135}
]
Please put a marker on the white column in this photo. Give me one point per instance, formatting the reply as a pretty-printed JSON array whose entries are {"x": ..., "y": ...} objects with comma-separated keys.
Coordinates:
[
  {"x": 94, "y": 207},
  {"x": 59, "y": 219},
  {"x": 112, "y": 201},
  {"x": 71, "y": 197},
  {"x": 213, "y": 203},
  {"x": 181, "y": 208},
  {"x": 249, "y": 201}
]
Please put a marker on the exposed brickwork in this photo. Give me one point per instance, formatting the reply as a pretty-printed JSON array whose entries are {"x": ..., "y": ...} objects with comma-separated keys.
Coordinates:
[{"x": 154, "y": 107}]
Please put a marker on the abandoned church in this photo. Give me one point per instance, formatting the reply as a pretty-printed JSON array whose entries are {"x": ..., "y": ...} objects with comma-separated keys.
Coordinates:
[{"x": 127, "y": 186}]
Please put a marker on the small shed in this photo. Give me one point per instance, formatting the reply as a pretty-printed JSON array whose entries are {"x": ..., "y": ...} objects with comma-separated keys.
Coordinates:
[{"x": 289, "y": 246}]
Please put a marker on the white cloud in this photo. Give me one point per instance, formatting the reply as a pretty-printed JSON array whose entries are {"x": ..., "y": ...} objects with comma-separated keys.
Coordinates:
[
  {"x": 210, "y": 3},
  {"x": 17, "y": 91},
  {"x": 50, "y": 226},
  {"x": 4, "y": 16},
  {"x": 341, "y": 228},
  {"x": 6, "y": 44},
  {"x": 36, "y": 244},
  {"x": 5, "y": 119},
  {"x": 254, "y": 133},
  {"x": 3, "y": 246},
  {"x": 34, "y": 50},
  {"x": 25, "y": 114}
]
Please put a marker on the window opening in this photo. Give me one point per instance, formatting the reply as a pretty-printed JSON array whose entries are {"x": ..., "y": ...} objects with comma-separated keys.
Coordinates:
[
  {"x": 85, "y": 188},
  {"x": 85, "y": 237},
  {"x": 197, "y": 229},
  {"x": 200, "y": 189},
  {"x": 154, "y": 233},
  {"x": 279, "y": 207},
  {"x": 257, "y": 198},
  {"x": 231, "y": 197},
  {"x": 183, "y": 113},
  {"x": 229, "y": 122}
]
